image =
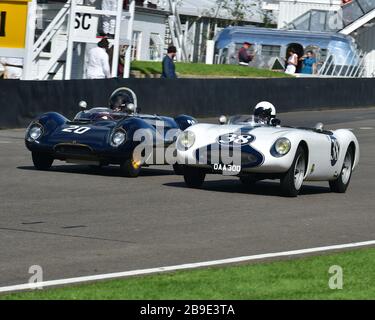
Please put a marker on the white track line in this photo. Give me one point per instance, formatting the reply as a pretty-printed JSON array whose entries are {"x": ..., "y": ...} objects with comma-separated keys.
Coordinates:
[{"x": 196, "y": 265}]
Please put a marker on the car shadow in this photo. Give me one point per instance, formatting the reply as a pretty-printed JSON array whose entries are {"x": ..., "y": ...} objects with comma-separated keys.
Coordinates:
[
  {"x": 264, "y": 188},
  {"x": 111, "y": 171}
]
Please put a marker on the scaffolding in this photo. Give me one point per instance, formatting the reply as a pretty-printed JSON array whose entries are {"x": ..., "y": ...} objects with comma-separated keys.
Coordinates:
[{"x": 75, "y": 23}]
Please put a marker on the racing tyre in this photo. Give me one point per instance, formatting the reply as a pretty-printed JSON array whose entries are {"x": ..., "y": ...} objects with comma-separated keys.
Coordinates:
[
  {"x": 42, "y": 161},
  {"x": 342, "y": 182},
  {"x": 130, "y": 169},
  {"x": 178, "y": 169},
  {"x": 194, "y": 177},
  {"x": 248, "y": 180},
  {"x": 291, "y": 182}
]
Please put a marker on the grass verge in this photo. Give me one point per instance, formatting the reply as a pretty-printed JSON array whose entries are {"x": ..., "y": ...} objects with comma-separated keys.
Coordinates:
[
  {"x": 302, "y": 278},
  {"x": 198, "y": 69}
]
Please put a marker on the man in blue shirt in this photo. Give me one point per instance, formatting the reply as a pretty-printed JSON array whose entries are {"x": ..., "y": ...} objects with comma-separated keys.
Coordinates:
[{"x": 169, "y": 69}]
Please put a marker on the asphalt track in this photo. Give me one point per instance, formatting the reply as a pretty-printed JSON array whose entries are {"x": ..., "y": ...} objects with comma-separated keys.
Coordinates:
[{"x": 75, "y": 222}]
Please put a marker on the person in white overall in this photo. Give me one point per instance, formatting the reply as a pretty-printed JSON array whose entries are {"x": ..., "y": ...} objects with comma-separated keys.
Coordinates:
[{"x": 97, "y": 63}]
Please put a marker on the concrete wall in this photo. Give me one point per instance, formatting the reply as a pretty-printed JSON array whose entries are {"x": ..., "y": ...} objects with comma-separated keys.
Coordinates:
[{"x": 22, "y": 101}]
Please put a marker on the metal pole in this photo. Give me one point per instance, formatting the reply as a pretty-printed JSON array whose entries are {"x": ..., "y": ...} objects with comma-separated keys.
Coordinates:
[
  {"x": 349, "y": 67},
  {"x": 129, "y": 37},
  {"x": 193, "y": 41},
  {"x": 69, "y": 51},
  {"x": 342, "y": 67},
  {"x": 29, "y": 43},
  {"x": 321, "y": 70},
  {"x": 185, "y": 40},
  {"x": 355, "y": 69},
  {"x": 358, "y": 71},
  {"x": 116, "y": 44},
  {"x": 329, "y": 66}
]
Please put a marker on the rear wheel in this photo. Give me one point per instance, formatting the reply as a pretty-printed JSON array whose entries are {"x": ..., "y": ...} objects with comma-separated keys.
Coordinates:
[
  {"x": 291, "y": 182},
  {"x": 194, "y": 177},
  {"x": 130, "y": 168},
  {"x": 342, "y": 182},
  {"x": 42, "y": 161}
]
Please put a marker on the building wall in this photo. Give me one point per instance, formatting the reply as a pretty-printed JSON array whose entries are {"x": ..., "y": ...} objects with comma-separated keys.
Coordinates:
[
  {"x": 289, "y": 10},
  {"x": 146, "y": 24}
]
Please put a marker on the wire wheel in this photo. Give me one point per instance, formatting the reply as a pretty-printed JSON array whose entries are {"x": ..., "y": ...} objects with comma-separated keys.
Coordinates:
[
  {"x": 347, "y": 168},
  {"x": 299, "y": 171},
  {"x": 340, "y": 185}
]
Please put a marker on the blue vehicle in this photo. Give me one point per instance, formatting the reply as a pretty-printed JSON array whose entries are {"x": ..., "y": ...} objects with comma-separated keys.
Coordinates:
[{"x": 104, "y": 136}]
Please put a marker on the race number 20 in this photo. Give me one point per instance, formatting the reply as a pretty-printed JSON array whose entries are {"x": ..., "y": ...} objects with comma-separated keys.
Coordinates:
[
  {"x": 3, "y": 16},
  {"x": 76, "y": 129}
]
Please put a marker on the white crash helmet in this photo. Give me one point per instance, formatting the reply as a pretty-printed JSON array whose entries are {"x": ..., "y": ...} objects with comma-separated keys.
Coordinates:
[{"x": 264, "y": 111}]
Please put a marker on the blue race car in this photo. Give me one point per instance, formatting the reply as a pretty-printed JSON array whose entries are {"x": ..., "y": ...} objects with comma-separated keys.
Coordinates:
[{"x": 104, "y": 136}]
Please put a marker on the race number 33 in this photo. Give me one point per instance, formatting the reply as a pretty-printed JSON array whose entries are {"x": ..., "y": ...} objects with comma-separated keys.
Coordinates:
[{"x": 3, "y": 16}]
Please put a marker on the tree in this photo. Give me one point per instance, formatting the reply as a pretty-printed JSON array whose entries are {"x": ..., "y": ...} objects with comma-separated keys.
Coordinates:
[{"x": 238, "y": 11}]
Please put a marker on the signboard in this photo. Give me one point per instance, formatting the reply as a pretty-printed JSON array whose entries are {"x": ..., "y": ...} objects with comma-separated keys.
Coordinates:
[
  {"x": 86, "y": 27},
  {"x": 13, "y": 19}
]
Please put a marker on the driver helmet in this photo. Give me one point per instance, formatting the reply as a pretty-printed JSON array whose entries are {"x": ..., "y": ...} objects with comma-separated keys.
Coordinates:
[
  {"x": 264, "y": 112},
  {"x": 122, "y": 101}
]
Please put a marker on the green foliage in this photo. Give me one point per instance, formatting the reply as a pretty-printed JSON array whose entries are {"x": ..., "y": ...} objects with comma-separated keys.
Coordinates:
[{"x": 198, "y": 69}]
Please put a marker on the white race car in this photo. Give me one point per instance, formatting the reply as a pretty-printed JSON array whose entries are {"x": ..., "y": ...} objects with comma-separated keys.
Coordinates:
[{"x": 257, "y": 148}]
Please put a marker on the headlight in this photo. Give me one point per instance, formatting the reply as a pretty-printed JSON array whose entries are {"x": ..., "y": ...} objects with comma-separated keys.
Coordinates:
[
  {"x": 118, "y": 138},
  {"x": 186, "y": 140},
  {"x": 282, "y": 146},
  {"x": 34, "y": 132}
]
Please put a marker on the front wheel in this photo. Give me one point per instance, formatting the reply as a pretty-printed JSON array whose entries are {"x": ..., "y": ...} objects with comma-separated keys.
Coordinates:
[
  {"x": 342, "y": 182},
  {"x": 292, "y": 180},
  {"x": 42, "y": 161},
  {"x": 130, "y": 168},
  {"x": 194, "y": 177}
]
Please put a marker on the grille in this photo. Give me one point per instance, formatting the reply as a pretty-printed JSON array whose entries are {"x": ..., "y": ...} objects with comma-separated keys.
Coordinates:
[{"x": 73, "y": 150}]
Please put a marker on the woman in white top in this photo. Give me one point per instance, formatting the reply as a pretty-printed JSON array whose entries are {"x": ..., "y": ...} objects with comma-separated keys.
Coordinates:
[{"x": 292, "y": 62}]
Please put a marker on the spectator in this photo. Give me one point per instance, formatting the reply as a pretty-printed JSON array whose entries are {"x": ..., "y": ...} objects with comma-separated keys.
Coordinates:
[
  {"x": 292, "y": 62},
  {"x": 109, "y": 22},
  {"x": 169, "y": 68},
  {"x": 97, "y": 64},
  {"x": 13, "y": 67},
  {"x": 244, "y": 57},
  {"x": 308, "y": 63}
]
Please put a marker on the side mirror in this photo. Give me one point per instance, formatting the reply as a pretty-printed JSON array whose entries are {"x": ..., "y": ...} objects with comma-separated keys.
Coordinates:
[
  {"x": 82, "y": 105},
  {"x": 319, "y": 127},
  {"x": 275, "y": 122},
  {"x": 223, "y": 120}
]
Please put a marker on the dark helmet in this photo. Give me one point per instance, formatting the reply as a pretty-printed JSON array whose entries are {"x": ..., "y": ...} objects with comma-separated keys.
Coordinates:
[{"x": 122, "y": 100}]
